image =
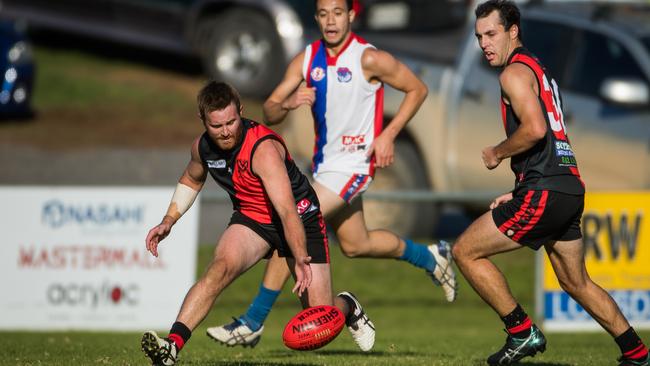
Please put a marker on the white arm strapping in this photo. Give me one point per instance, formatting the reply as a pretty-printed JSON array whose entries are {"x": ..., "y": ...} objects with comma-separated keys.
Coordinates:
[{"x": 182, "y": 200}]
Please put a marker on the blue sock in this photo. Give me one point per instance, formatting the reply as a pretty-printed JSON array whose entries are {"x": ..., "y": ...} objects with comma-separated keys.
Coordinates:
[
  {"x": 418, "y": 255},
  {"x": 260, "y": 308}
]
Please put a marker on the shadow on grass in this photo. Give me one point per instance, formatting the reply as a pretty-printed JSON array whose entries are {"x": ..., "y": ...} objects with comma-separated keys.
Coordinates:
[
  {"x": 342, "y": 352},
  {"x": 371, "y": 353},
  {"x": 541, "y": 363},
  {"x": 253, "y": 363}
]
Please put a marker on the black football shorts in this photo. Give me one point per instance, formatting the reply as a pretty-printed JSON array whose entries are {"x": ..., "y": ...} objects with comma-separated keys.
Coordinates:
[
  {"x": 317, "y": 245},
  {"x": 536, "y": 217}
]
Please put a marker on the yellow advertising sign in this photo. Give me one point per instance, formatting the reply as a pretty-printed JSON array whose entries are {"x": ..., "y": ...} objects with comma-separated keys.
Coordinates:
[{"x": 616, "y": 234}]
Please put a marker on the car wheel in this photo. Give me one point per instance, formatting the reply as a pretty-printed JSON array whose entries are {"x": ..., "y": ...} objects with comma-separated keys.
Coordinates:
[
  {"x": 407, "y": 218},
  {"x": 243, "y": 49}
]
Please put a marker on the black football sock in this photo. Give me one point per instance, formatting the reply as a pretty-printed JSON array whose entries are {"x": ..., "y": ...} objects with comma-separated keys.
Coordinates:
[
  {"x": 351, "y": 306},
  {"x": 518, "y": 323},
  {"x": 179, "y": 334},
  {"x": 631, "y": 345}
]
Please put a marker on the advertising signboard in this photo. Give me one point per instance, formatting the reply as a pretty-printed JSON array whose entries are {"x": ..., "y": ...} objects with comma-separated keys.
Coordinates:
[
  {"x": 616, "y": 233},
  {"x": 75, "y": 258}
]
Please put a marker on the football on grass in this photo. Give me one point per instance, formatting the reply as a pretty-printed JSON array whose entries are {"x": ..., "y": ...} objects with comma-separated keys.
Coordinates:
[{"x": 313, "y": 327}]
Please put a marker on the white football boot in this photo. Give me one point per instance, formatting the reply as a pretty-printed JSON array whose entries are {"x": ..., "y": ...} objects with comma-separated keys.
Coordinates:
[
  {"x": 161, "y": 351},
  {"x": 444, "y": 275},
  {"x": 361, "y": 328},
  {"x": 236, "y": 334}
]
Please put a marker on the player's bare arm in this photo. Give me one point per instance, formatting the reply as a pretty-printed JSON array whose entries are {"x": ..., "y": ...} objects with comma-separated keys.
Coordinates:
[
  {"x": 289, "y": 94},
  {"x": 382, "y": 66},
  {"x": 189, "y": 185},
  {"x": 520, "y": 91},
  {"x": 268, "y": 164}
]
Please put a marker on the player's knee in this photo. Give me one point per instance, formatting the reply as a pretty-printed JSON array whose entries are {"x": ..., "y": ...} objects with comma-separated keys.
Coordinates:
[
  {"x": 218, "y": 273},
  {"x": 351, "y": 250},
  {"x": 573, "y": 286},
  {"x": 459, "y": 252}
]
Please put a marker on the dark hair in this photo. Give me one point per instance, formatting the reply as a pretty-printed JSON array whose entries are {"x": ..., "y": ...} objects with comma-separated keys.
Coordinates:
[
  {"x": 215, "y": 96},
  {"x": 349, "y": 3},
  {"x": 508, "y": 13}
]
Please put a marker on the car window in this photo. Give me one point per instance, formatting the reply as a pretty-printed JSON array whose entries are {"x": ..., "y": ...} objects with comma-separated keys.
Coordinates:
[
  {"x": 305, "y": 11},
  {"x": 551, "y": 43},
  {"x": 598, "y": 58}
]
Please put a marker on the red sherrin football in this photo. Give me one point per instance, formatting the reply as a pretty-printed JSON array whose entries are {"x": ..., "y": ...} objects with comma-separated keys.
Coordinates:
[{"x": 313, "y": 327}]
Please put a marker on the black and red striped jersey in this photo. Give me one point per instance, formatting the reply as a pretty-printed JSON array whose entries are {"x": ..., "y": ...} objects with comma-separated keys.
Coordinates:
[
  {"x": 551, "y": 163},
  {"x": 233, "y": 171}
]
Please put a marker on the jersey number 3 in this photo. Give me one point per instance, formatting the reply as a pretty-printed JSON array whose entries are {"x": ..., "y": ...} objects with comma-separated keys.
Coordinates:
[{"x": 551, "y": 98}]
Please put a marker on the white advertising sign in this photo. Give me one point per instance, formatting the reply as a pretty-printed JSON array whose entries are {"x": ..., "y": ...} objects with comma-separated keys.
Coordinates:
[{"x": 75, "y": 258}]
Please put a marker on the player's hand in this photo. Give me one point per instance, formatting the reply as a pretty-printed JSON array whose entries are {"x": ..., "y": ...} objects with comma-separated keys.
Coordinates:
[
  {"x": 383, "y": 149},
  {"x": 490, "y": 158},
  {"x": 302, "y": 96},
  {"x": 303, "y": 275},
  {"x": 500, "y": 200},
  {"x": 155, "y": 236}
]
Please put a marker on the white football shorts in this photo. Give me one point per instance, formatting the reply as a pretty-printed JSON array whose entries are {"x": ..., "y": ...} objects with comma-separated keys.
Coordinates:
[{"x": 347, "y": 186}]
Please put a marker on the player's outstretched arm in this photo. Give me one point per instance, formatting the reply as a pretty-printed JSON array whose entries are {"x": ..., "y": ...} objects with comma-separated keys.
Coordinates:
[
  {"x": 268, "y": 164},
  {"x": 519, "y": 86},
  {"x": 188, "y": 187},
  {"x": 289, "y": 94},
  {"x": 382, "y": 66}
]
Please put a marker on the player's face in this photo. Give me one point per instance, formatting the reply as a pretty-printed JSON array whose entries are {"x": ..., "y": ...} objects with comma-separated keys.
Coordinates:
[
  {"x": 224, "y": 126},
  {"x": 494, "y": 40},
  {"x": 334, "y": 19}
]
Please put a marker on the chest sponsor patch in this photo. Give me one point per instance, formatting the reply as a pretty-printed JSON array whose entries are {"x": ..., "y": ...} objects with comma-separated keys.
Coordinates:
[
  {"x": 344, "y": 74},
  {"x": 317, "y": 73},
  {"x": 216, "y": 164},
  {"x": 353, "y": 140}
]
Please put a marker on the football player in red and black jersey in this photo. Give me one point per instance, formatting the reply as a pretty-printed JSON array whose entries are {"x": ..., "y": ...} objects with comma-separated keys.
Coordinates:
[
  {"x": 275, "y": 209},
  {"x": 544, "y": 208}
]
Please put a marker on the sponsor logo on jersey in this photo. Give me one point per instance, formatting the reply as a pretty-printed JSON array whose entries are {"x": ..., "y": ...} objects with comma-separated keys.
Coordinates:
[
  {"x": 216, "y": 164},
  {"x": 563, "y": 148},
  {"x": 352, "y": 148},
  {"x": 242, "y": 165},
  {"x": 565, "y": 152},
  {"x": 353, "y": 140},
  {"x": 317, "y": 73},
  {"x": 344, "y": 74}
]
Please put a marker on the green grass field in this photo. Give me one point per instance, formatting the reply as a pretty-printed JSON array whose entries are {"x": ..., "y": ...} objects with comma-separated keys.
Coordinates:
[{"x": 415, "y": 326}]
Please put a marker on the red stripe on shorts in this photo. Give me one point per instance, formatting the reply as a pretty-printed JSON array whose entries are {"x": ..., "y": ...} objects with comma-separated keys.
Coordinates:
[
  {"x": 323, "y": 230},
  {"x": 360, "y": 187},
  {"x": 536, "y": 216},
  {"x": 347, "y": 186},
  {"x": 508, "y": 224}
]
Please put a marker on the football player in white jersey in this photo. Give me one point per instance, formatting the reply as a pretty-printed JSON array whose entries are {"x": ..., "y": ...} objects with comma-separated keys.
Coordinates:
[{"x": 341, "y": 77}]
